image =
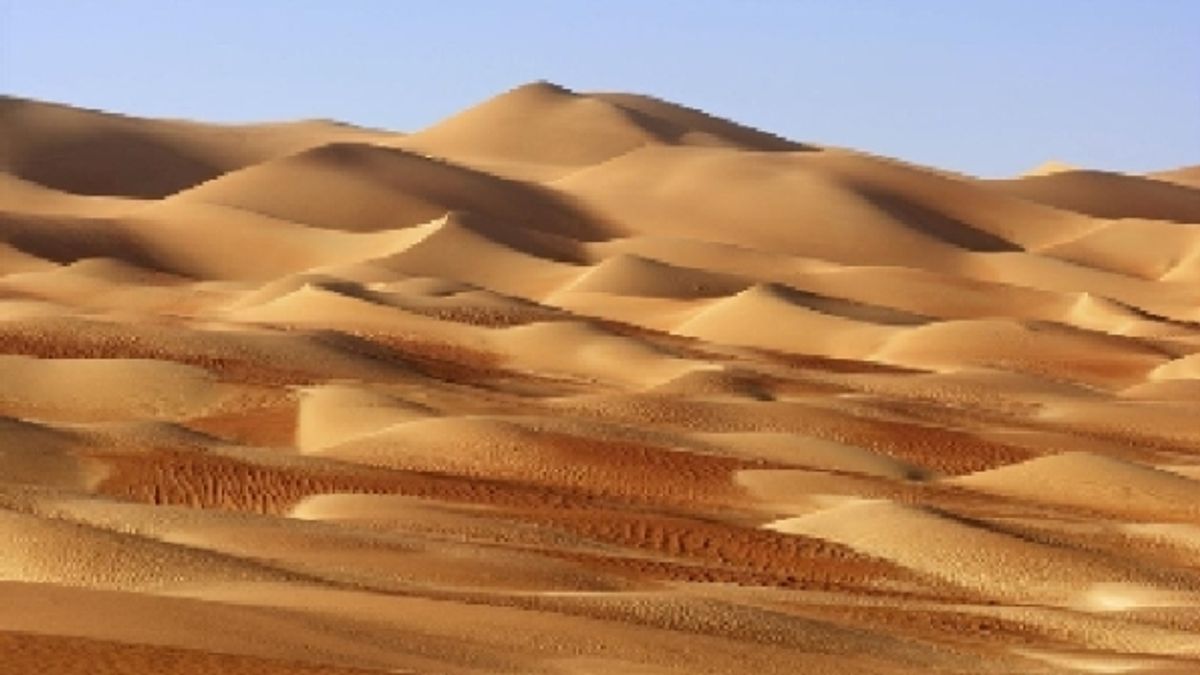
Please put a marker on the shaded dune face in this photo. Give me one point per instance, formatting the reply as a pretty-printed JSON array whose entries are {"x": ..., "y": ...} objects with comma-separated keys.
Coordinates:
[
  {"x": 653, "y": 391},
  {"x": 361, "y": 187},
  {"x": 88, "y": 152},
  {"x": 146, "y": 169}
]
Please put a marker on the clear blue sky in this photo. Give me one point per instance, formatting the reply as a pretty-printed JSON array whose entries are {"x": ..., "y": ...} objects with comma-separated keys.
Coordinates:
[{"x": 989, "y": 87}]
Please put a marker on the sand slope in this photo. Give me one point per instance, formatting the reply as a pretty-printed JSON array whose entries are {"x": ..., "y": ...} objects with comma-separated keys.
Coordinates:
[
  {"x": 1094, "y": 482},
  {"x": 94, "y": 153},
  {"x": 1109, "y": 195}
]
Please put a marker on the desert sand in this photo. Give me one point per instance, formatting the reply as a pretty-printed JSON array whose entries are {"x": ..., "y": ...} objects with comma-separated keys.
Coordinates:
[{"x": 586, "y": 383}]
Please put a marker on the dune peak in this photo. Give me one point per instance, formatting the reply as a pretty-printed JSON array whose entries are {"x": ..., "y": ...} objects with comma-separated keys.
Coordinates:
[{"x": 1050, "y": 167}]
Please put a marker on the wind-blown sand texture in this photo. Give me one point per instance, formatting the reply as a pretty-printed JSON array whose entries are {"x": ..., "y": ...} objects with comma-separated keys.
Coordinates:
[{"x": 586, "y": 383}]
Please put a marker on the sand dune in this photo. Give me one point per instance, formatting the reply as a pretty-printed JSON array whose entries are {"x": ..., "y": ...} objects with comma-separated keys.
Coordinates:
[
  {"x": 1162, "y": 298},
  {"x": 689, "y": 126},
  {"x": 466, "y": 248},
  {"x": 1160, "y": 248},
  {"x": 657, "y": 190},
  {"x": 587, "y": 351},
  {"x": 801, "y": 450},
  {"x": 969, "y": 554},
  {"x": 630, "y": 275},
  {"x": 361, "y": 188},
  {"x": 1092, "y": 482},
  {"x": 543, "y": 130},
  {"x": 1045, "y": 350},
  {"x": 651, "y": 390},
  {"x": 795, "y": 327},
  {"x": 332, "y": 414},
  {"x": 94, "y": 153},
  {"x": 1108, "y": 195},
  {"x": 40, "y": 454},
  {"x": 1183, "y": 368},
  {"x": 114, "y": 388},
  {"x": 41, "y": 551},
  {"x": 569, "y": 130},
  {"x": 1188, "y": 176},
  {"x": 1049, "y": 168}
]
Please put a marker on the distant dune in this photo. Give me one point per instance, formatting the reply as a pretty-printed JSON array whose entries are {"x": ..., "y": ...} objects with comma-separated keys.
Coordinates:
[{"x": 586, "y": 383}]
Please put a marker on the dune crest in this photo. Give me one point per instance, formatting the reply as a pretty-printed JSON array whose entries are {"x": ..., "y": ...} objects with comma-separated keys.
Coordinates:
[{"x": 1050, "y": 167}]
